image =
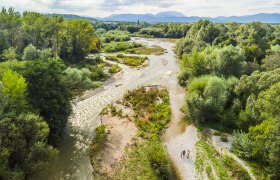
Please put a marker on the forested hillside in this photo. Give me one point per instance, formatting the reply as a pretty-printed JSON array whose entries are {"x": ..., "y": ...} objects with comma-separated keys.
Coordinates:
[{"x": 232, "y": 76}]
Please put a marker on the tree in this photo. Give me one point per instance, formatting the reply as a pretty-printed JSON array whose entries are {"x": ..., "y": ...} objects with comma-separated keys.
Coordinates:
[
  {"x": 30, "y": 53},
  {"x": 23, "y": 148},
  {"x": 14, "y": 86},
  {"x": 79, "y": 41},
  {"x": 204, "y": 30},
  {"x": 255, "y": 83},
  {"x": 206, "y": 99},
  {"x": 263, "y": 138},
  {"x": 231, "y": 61},
  {"x": 4, "y": 44},
  {"x": 48, "y": 93},
  {"x": 46, "y": 54},
  {"x": 271, "y": 62},
  {"x": 10, "y": 54},
  {"x": 10, "y": 22}
]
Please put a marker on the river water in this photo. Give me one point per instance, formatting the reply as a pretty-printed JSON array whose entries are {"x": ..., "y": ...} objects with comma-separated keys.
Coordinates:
[{"x": 73, "y": 162}]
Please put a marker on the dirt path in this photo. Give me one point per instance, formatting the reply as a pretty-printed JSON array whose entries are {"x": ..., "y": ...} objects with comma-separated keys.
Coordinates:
[{"x": 176, "y": 145}]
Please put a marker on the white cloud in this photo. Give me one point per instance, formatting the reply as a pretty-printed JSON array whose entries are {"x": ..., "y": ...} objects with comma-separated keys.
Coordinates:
[{"x": 106, "y": 7}]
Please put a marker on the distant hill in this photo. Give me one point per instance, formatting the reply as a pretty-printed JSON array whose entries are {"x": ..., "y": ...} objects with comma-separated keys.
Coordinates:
[
  {"x": 172, "y": 16},
  {"x": 72, "y": 16}
]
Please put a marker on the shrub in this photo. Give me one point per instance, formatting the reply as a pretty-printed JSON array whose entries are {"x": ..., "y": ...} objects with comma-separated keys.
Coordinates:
[
  {"x": 114, "y": 69},
  {"x": 241, "y": 145},
  {"x": 133, "y": 61},
  {"x": 119, "y": 46},
  {"x": 100, "y": 134}
]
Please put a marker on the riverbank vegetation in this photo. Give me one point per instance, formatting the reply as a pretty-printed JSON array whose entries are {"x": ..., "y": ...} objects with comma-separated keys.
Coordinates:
[
  {"x": 114, "y": 69},
  {"x": 131, "y": 48},
  {"x": 152, "y": 114},
  {"x": 142, "y": 29},
  {"x": 42, "y": 65},
  {"x": 216, "y": 165},
  {"x": 231, "y": 75},
  {"x": 133, "y": 61},
  {"x": 149, "y": 109},
  {"x": 153, "y": 50},
  {"x": 119, "y": 46}
]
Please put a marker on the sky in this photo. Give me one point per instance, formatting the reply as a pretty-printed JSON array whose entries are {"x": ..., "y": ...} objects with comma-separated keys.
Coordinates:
[{"x": 103, "y": 8}]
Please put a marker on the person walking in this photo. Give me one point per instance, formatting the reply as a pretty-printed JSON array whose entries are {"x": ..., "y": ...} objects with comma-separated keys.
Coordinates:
[
  {"x": 183, "y": 153},
  {"x": 188, "y": 154}
]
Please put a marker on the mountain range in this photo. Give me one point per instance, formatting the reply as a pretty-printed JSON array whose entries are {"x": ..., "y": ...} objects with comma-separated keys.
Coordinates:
[{"x": 172, "y": 16}]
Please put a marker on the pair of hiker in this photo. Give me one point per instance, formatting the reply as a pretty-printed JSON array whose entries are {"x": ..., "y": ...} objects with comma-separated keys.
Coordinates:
[{"x": 183, "y": 154}]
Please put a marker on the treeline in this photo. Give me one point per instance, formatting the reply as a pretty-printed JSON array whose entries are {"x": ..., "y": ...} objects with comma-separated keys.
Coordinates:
[
  {"x": 43, "y": 63},
  {"x": 69, "y": 39},
  {"x": 159, "y": 30},
  {"x": 232, "y": 75}
]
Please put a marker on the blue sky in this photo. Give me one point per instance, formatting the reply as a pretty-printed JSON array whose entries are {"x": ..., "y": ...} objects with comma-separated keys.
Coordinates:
[{"x": 102, "y": 8}]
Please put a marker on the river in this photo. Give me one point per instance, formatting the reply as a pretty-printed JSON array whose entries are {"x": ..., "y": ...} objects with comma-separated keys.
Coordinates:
[{"x": 73, "y": 161}]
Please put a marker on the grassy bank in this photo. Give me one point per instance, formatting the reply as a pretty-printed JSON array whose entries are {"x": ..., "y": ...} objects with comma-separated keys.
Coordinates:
[
  {"x": 145, "y": 156},
  {"x": 132, "y": 48},
  {"x": 133, "y": 61},
  {"x": 154, "y": 50},
  {"x": 216, "y": 165},
  {"x": 114, "y": 69},
  {"x": 147, "y": 159}
]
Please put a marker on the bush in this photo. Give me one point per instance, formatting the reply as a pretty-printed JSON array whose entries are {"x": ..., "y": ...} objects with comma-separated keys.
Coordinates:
[
  {"x": 146, "y": 161},
  {"x": 100, "y": 134},
  {"x": 133, "y": 61},
  {"x": 241, "y": 145},
  {"x": 115, "y": 35},
  {"x": 146, "y": 102},
  {"x": 119, "y": 46},
  {"x": 114, "y": 69},
  {"x": 79, "y": 79}
]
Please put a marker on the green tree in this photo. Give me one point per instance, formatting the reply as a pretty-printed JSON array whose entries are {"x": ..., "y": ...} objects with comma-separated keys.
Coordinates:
[
  {"x": 231, "y": 61},
  {"x": 263, "y": 138},
  {"x": 14, "y": 86},
  {"x": 10, "y": 54},
  {"x": 271, "y": 62},
  {"x": 48, "y": 93},
  {"x": 206, "y": 99},
  {"x": 30, "y": 53},
  {"x": 23, "y": 148},
  {"x": 46, "y": 54},
  {"x": 10, "y": 22},
  {"x": 80, "y": 39}
]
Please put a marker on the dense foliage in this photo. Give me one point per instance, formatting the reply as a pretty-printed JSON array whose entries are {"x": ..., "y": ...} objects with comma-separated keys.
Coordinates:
[
  {"x": 36, "y": 86},
  {"x": 133, "y": 61},
  {"x": 231, "y": 72},
  {"x": 72, "y": 40},
  {"x": 142, "y": 29}
]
